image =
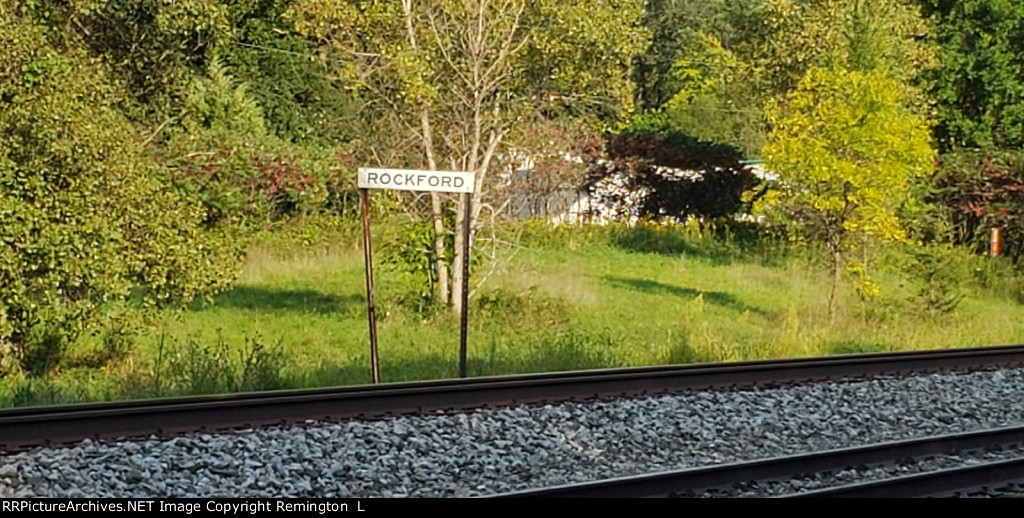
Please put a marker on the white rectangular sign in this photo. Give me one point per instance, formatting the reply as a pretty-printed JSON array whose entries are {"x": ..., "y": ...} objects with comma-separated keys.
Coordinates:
[{"x": 414, "y": 180}]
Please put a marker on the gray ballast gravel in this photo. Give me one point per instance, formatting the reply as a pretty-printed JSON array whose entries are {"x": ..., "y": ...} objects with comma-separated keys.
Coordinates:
[{"x": 498, "y": 450}]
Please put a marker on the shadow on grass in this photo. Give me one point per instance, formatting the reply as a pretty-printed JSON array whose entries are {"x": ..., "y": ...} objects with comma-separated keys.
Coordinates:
[
  {"x": 644, "y": 239},
  {"x": 207, "y": 370},
  {"x": 719, "y": 298},
  {"x": 722, "y": 245},
  {"x": 855, "y": 347},
  {"x": 549, "y": 353},
  {"x": 304, "y": 301}
]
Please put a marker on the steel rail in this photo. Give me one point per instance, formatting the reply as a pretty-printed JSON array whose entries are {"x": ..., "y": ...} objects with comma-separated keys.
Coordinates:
[
  {"x": 22, "y": 428},
  {"x": 699, "y": 480},
  {"x": 945, "y": 482}
]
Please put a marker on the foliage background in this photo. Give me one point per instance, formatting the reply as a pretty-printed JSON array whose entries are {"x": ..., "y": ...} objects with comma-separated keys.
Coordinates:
[{"x": 150, "y": 149}]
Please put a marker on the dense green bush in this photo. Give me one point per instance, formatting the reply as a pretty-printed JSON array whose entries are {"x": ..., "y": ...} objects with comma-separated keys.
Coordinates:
[
  {"x": 409, "y": 248},
  {"x": 299, "y": 100},
  {"x": 153, "y": 47},
  {"x": 83, "y": 219},
  {"x": 941, "y": 273}
]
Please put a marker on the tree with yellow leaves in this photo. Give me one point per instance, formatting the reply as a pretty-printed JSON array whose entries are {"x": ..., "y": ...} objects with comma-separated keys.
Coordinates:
[{"x": 845, "y": 145}]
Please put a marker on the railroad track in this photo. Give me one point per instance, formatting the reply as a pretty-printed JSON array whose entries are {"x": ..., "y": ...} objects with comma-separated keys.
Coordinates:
[
  {"x": 981, "y": 479},
  {"x": 739, "y": 478},
  {"x": 25, "y": 428}
]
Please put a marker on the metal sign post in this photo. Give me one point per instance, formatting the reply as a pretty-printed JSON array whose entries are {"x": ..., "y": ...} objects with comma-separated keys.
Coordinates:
[
  {"x": 371, "y": 312},
  {"x": 415, "y": 180},
  {"x": 464, "y": 317}
]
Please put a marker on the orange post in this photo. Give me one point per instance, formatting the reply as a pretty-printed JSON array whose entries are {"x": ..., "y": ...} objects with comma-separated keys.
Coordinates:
[{"x": 996, "y": 245}]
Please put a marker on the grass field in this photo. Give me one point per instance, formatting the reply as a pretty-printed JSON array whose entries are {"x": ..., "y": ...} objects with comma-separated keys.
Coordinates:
[{"x": 567, "y": 299}]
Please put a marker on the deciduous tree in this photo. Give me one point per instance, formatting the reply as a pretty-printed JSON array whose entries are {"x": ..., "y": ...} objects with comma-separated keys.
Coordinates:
[
  {"x": 980, "y": 86},
  {"x": 715, "y": 65},
  {"x": 458, "y": 75},
  {"x": 83, "y": 220},
  {"x": 845, "y": 145}
]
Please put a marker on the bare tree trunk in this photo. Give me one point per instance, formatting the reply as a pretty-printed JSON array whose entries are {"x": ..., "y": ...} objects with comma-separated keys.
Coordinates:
[
  {"x": 486, "y": 64},
  {"x": 837, "y": 277},
  {"x": 427, "y": 137},
  {"x": 475, "y": 48},
  {"x": 835, "y": 233},
  {"x": 440, "y": 248},
  {"x": 458, "y": 281},
  {"x": 474, "y": 213},
  {"x": 440, "y": 261}
]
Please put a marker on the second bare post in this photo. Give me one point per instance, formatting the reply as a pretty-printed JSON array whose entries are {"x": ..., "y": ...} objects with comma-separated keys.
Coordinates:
[{"x": 463, "y": 325}]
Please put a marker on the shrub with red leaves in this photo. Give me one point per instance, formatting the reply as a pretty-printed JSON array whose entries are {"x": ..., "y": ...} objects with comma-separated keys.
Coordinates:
[
  {"x": 977, "y": 190},
  {"x": 250, "y": 183}
]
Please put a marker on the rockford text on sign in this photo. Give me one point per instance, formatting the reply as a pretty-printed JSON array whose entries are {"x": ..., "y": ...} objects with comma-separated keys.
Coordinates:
[{"x": 415, "y": 180}]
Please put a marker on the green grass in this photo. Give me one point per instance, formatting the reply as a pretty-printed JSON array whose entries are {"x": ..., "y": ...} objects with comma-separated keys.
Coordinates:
[{"x": 571, "y": 299}]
